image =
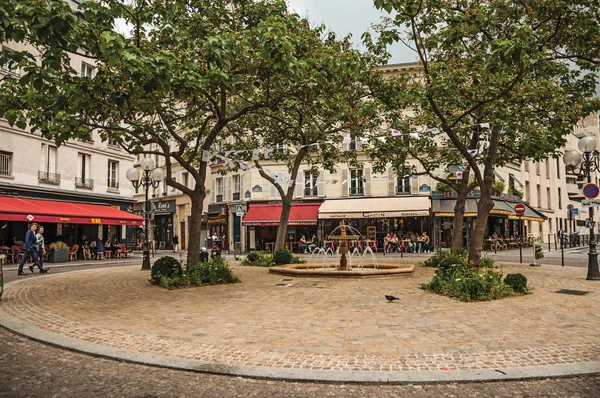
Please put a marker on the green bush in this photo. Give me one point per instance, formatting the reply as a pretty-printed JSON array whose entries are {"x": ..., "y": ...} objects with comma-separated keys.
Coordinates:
[
  {"x": 258, "y": 260},
  {"x": 165, "y": 267},
  {"x": 538, "y": 248},
  {"x": 213, "y": 272},
  {"x": 282, "y": 256},
  {"x": 486, "y": 261},
  {"x": 437, "y": 257},
  {"x": 517, "y": 282},
  {"x": 252, "y": 256}
]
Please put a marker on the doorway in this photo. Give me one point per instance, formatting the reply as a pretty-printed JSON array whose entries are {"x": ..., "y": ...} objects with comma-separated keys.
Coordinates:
[{"x": 182, "y": 239}]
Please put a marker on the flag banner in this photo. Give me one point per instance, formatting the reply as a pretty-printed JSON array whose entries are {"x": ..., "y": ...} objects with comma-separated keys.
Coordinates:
[
  {"x": 291, "y": 183},
  {"x": 205, "y": 156},
  {"x": 473, "y": 152},
  {"x": 396, "y": 132},
  {"x": 345, "y": 182},
  {"x": 269, "y": 152},
  {"x": 484, "y": 125},
  {"x": 414, "y": 135},
  {"x": 434, "y": 130},
  {"x": 255, "y": 154},
  {"x": 381, "y": 139}
]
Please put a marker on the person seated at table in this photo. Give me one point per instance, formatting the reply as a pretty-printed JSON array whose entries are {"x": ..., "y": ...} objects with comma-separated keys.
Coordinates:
[
  {"x": 93, "y": 248},
  {"x": 314, "y": 243},
  {"x": 395, "y": 242},
  {"x": 495, "y": 241},
  {"x": 216, "y": 251},
  {"x": 85, "y": 251},
  {"x": 303, "y": 244},
  {"x": 99, "y": 249}
]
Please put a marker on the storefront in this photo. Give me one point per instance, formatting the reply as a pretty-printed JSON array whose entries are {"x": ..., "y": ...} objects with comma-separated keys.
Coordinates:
[
  {"x": 66, "y": 221},
  {"x": 216, "y": 225},
  {"x": 373, "y": 218},
  {"x": 164, "y": 212},
  {"x": 262, "y": 222}
]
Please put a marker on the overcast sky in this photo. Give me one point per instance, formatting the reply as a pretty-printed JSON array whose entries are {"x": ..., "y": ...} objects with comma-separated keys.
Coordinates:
[{"x": 348, "y": 16}]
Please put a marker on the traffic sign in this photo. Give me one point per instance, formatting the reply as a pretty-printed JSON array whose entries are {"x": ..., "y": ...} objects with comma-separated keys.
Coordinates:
[
  {"x": 520, "y": 209},
  {"x": 590, "y": 191},
  {"x": 239, "y": 210}
]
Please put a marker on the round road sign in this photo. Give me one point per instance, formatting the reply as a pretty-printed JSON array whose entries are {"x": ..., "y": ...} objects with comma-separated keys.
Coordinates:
[
  {"x": 590, "y": 191},
  {"x": 520, "y": 209}
]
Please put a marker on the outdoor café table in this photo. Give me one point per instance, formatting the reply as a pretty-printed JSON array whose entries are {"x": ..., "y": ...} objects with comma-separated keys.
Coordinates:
[{"x": 269, "y": 246}]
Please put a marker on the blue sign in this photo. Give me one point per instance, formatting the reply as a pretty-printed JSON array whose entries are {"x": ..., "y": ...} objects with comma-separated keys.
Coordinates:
[
  {"x": 575, "y": 211},
  {"x": 590, "y": 191},
  {"x": 238, "y": 209},
  {"x": 257, "y": 188},
  {"x": 424, "y": 188}
]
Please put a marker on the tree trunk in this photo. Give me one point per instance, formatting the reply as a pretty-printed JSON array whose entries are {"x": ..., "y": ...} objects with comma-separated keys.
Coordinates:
[
  {"x": 195, "y": 228},
  {"x": 459, "y": 214},
  {"x": 485, "y": 205},
  {"x": 286, "y": 207}
]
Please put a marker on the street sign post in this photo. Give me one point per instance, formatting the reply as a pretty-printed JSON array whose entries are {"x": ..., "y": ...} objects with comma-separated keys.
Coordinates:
[
  {"x": 239, "y": 210},
  {"x": 519, "y": 209}
]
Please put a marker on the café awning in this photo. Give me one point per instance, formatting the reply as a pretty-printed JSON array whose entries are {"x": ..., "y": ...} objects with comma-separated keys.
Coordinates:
[
  {"x": 36, "y": 210},
  {"x": 445, "y": 208},
  {"x": 401, "y": 206},
  {"x": 260, "y": 214}
]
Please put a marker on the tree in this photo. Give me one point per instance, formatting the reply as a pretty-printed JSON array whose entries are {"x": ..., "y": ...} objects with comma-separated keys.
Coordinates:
[
  {"x": 325, "y": 99},
  {"x": 187, "y": 70},
  {"x": 522, "y": 68}
]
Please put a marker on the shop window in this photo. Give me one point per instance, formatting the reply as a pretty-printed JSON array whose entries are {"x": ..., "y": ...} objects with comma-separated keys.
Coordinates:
[
  {"x": 310, "y": 184},
  {"x": 356, "y": 182}
]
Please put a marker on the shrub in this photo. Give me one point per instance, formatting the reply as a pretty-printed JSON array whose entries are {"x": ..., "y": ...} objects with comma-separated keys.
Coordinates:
[
  {"x": 212, "y": 272},
  {"x": 486, "y": 261},
  {"x": 538, "y": 248},
  {"x": 282, "y": 256},
  {"x": 252, "y": 256},
  {"x": 258, "y": 260},
  {"x": 435, "y": 260},
  {"x": 517, "y": 282},
  {"x": 165, "y": 266}
]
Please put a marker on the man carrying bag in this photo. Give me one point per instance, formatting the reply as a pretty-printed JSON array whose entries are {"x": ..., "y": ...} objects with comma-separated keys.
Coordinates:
[{"x": 30, "y": 250}]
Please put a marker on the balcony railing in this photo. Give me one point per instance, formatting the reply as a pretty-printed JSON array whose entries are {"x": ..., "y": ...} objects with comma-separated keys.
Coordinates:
[
  {"x": 48, "y": 178},
  {"x": 114, "y": 184},
  {"x": 84, "y": 183},
  {"x": 403, "y": 190},
  {"x": 357, "y": 191}
]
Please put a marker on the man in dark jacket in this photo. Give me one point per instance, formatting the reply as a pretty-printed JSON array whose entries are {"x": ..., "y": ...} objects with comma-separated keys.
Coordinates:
[{"x": 30, "y": 250}]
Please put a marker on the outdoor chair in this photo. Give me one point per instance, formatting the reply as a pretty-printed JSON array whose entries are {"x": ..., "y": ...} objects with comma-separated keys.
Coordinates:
[{"x": 73, "y": 253}]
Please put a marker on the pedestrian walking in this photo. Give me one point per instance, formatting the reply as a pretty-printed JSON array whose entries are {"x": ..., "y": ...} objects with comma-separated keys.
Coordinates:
[
  {"x": 40, "y": 246},
  {"x": 175, "y": 243},
  {"x": 30, "y": 250}
]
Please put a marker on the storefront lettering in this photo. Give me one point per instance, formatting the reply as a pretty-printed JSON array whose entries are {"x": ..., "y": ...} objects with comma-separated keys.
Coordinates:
[
  {"x": 94, "y": 220},
  {"x": 167, "y": 206}
]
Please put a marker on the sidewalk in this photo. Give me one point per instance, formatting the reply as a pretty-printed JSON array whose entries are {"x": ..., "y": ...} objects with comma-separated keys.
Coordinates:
[{"x": 316, "y": 329}]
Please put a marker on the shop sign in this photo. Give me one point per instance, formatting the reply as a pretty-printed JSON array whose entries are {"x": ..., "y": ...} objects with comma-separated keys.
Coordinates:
[
  {"x": 373, "y": 215},
  {"x": 424, "y": 188},
  {"x": 216, "y": 220},
  {"x": 257, "y": 188},
  {"x": 166, "y": 206},
  {"x": 96, "y": 221}
]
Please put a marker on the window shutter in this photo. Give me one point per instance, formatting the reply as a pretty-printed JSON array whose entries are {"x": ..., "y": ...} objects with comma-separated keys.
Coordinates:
[
  {"x": 300, "y": 184},
  {"x": 346, "y": 141},
  {"x": 213, "y": 191},
  {"x": 80, "y": 157},
  {"x": 44, "y": 158},
  {"x": 358, "y": 143},
  {"x": 52, "y": 159},
  {"x": 88, "y": 166},
  {"x": 367, "y": 181},
  {"x": 227, "y": 193},
  {"x": 414, "y": 183},
  {"x": 321, "y": 185},
  {"x": 391, "y": 182},
  {"x": 344, "y": 182},
  {"x": 242, "y": 186}
]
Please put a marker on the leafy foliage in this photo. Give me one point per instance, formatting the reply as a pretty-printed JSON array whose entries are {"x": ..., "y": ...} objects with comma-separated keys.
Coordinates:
[
  {"x": 166, "y": 267},
  {"x": 212, "y": 272},
  {"x": 517, "y": 282},
  {"x": 258, "y": 260},
  {"x": 282, "y": 256}
]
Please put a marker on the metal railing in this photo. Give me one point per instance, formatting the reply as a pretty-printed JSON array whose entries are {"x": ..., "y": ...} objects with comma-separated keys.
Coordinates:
[
  {"x": 403, "y": 190},
  {"x": 84, "y": 183},
  {"x": 49, "y": 178},
  {"x": 357, "y": 191},
  {"x": 113, "y": 184}
]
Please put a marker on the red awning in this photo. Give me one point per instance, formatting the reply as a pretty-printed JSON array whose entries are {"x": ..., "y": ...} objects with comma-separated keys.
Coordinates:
[
  {"x": 269, "y": 214},
  {"x": 28, "y": 210}
]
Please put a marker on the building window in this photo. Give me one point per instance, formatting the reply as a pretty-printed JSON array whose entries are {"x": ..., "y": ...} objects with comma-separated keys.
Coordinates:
[
  {"x": 5, "y": 163},
  {"x": 84, "y": 165},
  {"x": 547, "y": 168},
  {"x": 557, "y": 168},
  {"x": 526, "y": 164},
  {"x": 356, "y": 182},
  {"x": 403, "y": 183},
  {"x": 113, "y": 143},
  {"x": 237, "y": 186},
  {"x": 9, "y": 66},
  {"x": 113, "y": 173},
  {"x": 527, "y": 193},
  {"x": 310, "y": 184},
  {"x": 87, "y": 70},
  {"x": 47, "y": 171},
  {"x": 165, "y": 188},
  {"x": 539, "y": 195},
  {"x": 537, "y": 168},
  {"x": 549, "y": 198},
  {"x": 186, "y": 179},
  {"x": 219, "y": 189},
  {"x": 559, "y": 199}
]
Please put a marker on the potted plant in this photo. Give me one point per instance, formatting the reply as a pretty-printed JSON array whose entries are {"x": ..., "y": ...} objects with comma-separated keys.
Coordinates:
[
  {"x": 498, "y": 188},
  {"x": 59, "y": 252}
]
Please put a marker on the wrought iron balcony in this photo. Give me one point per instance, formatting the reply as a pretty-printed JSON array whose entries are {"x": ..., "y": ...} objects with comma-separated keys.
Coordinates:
[
  {"x": 48, "y": 178},
  {"x": 403, "y": 190},
  {"x": 84, "y": 183},
  {"x": 357, "y": 191},
  {"x": 113, "y": 184}
]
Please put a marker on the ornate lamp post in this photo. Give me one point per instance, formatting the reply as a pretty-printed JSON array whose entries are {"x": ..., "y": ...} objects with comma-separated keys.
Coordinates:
[
  {"x": 590, "y": 163},
  {"x": 151, "y": 178}
]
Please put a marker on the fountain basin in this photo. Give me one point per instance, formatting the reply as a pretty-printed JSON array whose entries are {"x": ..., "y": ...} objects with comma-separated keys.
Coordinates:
[{"x": 384, "y": 268}]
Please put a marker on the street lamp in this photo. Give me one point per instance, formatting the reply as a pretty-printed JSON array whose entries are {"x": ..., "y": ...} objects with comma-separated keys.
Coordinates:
[
  {"x": 590, "y": 163},
  {"x": 151, "y": 178}
]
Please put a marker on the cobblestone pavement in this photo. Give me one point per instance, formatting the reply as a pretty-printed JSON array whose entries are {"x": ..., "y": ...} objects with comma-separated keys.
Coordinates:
[
  {"x": 273, "y": 326},
  {"x": 32, "y": 369}
]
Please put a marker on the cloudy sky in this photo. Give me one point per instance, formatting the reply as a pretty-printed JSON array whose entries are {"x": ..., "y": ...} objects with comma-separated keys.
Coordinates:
[{"x": 348, "y": 16}]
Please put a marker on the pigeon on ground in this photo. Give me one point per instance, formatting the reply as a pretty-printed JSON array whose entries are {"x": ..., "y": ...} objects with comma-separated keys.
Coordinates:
[{"x": 391, "y": 298}]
